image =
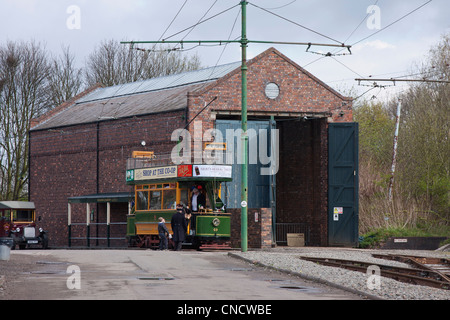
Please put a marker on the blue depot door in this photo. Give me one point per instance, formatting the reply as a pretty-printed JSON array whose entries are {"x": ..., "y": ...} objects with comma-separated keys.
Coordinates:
[
  {"x": 259, "y": 185},
  {"x": 343, "y": 184}
]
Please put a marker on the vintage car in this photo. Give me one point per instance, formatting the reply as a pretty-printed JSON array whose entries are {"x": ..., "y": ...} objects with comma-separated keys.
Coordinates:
[{"x": 17, "y": 220}]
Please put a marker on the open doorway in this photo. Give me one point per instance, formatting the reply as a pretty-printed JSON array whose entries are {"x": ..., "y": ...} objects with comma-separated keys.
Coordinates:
[{"x": 301, "y": 182}]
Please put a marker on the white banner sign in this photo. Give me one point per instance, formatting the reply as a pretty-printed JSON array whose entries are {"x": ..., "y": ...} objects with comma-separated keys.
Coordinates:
[{"x": 218, "y": 171}]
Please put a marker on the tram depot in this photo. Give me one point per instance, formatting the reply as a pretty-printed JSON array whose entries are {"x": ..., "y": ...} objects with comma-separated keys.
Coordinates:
[{"x": 92, "y": 159}]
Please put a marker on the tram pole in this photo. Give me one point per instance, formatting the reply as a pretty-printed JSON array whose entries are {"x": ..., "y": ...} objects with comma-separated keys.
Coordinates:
[{"x": 244, "y": 171}]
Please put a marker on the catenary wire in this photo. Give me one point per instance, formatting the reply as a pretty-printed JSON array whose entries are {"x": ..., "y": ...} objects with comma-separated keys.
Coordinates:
[
  {"x": 295, "y": 23},
  {"x": 394, "y": 22},
  {"x": 200, "y": 22}
]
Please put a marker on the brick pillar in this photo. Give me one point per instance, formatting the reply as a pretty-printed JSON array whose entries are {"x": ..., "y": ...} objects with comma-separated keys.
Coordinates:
[{"x": 259, "y": 228}]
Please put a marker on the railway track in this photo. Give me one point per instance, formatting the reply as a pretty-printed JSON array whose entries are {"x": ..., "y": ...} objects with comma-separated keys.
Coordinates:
[
  {"x": 425, "y": 275},
  {"x": 438, "y": 265}
]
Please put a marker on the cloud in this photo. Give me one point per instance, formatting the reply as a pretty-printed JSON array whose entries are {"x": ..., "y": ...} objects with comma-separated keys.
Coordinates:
[{"x": 375, "y": 44}]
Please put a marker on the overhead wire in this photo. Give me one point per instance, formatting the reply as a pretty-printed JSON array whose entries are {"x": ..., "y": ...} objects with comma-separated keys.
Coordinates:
[
  {"x": 392, "y": 23},
  {"x": 131, "y": 46},
  {"x": 371, "y": 35},
  {"x": 200, "y": 22},
  {"x": 226, "y": 44},
  {"x": 362, "y": 21},
  {"x": 296, "y": 23},
  {"x": 367, "y": 37},
  {"x": 288, "y": 4}
]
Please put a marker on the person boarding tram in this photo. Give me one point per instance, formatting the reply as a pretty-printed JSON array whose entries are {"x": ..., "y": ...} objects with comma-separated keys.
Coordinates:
[{"x": 198, "y": 199}]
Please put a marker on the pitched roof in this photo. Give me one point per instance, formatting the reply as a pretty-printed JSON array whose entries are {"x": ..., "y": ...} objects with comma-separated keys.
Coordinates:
[
  {"x": 155, "y": 95},
  {"x": 162, "y": 94}
]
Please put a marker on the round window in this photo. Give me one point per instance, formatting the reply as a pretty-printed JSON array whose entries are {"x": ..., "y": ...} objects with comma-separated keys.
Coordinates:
[{"x": 272, "y": 90}]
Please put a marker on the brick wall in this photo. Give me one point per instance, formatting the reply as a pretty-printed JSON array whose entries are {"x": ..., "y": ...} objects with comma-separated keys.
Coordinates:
[
  {"x": 63, "y": 161},
  {"x": 63, "y": 164},
  {"x": 259, "y": 223},
  {"x": 302, "y": 178},
  {"x": 300, "y": 92}
]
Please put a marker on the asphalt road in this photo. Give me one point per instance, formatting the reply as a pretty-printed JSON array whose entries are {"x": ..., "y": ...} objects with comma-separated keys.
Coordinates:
[{"x": 150, "y": 275}]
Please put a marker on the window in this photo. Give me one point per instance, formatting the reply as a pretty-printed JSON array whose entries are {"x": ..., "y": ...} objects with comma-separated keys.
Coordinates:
[
  {"x": 5, "y": 215},
  {"x": 184, "y": 196},
  {"x": 155, "y": 200},
  {"x": 23, "y": 215},
  {"x": 142, "y": 200},
  {"x": 272, "y": 90},
  {"x": 156, "y": 197},
  {"x": 170, "y": 199}
]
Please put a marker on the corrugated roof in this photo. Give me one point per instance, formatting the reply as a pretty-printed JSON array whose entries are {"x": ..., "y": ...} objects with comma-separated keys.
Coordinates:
[
  {"x": 17, "y": 205},
  {"x": 137, "y": 98},
  {"x": 160, "y": 83}
]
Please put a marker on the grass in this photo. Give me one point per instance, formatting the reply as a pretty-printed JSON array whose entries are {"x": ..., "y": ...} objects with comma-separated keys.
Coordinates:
[{"x": 374, "y": 238}]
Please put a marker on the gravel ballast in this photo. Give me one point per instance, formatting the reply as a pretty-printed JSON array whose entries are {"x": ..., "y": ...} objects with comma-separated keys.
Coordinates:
[{"x": 288, "y": 260}]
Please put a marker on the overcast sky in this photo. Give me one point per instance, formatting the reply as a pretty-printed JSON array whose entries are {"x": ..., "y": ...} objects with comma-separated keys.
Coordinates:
[{"x": 83, "y": 24}]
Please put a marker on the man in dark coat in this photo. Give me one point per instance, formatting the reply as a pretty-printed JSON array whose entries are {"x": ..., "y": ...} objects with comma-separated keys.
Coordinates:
[{"x": 179, "y": 227}]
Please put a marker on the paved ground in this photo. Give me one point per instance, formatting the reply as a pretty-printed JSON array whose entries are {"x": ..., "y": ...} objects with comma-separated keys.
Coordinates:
[{"x": 149, "y": 275}]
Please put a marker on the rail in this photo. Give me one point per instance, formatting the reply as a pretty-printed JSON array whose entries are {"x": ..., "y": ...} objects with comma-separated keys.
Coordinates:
[
  {"x": 159, "y": 160},
  {"x": 89, "y": 237},
  {"x": 409, "y": 275},
  {"x": 438, "y": 265}
]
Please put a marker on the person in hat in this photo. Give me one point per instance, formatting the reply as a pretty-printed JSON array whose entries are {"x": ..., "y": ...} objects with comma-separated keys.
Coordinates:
[
  {"x": 198, "y": 199},
  {"x": 179, "y": 226}
]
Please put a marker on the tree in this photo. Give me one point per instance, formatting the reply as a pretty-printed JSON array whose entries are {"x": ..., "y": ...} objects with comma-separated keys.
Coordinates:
[
  {"x": 422, "y": 176},
  {"x": 376, "y": 128},
  {"x": 64, "y": 80},
  {"x": 112, "y": 63},
  {"x": 24, "y": 70},
  {"x": 424, "y": 140},
  {"x": 32, "y": 82}
]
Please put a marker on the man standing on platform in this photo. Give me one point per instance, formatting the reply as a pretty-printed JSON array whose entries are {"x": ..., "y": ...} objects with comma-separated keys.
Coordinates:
[{"x": 179, "y": 226}]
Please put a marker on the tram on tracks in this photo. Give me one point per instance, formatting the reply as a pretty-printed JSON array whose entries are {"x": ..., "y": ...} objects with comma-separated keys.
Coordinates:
[{"x": 159, "y": 188}]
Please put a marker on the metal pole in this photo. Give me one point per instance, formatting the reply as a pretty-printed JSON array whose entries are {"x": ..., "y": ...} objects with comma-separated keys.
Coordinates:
[
  {"x": 69, "y": 223},
  {"x": 394, "y": 155},
  {"x": 108, "y": 222},
  {"x": 88, "y": 225},
  {"x": 244, "y": 171}
]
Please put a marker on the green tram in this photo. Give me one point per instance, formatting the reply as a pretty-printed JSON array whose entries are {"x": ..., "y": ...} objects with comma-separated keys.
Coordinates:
[{"x": 159, "y": 189}]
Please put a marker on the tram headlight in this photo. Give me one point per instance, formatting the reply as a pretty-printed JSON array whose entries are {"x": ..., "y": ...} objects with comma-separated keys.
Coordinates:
[{"x": 216, "y": 222}]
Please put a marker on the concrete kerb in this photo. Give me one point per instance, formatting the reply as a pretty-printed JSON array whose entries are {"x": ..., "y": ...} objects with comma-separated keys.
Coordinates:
[{"x": 306, "y": 277}]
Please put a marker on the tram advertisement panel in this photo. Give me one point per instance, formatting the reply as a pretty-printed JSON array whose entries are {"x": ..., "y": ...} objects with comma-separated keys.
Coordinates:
[
  {"x": 180, "y": 171},
  {"x": 155, "y": 173},
  {"x": 212, "y": 171}
]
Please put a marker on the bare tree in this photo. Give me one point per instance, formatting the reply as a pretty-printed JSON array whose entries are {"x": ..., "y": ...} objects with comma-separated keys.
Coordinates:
[
  {"x": 112, "y": 63},
  {"x": 65, "y": 80},
  {"x": 24, "y": 70}
]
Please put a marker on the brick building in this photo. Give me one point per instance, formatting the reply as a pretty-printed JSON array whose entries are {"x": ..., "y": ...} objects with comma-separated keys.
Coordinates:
[{"x": 80, "y": 149}]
